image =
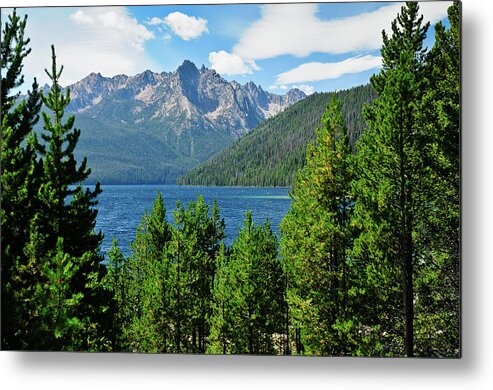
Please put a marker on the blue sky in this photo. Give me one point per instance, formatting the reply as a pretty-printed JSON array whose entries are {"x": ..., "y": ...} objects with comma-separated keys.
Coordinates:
[{"x": 316, "y": 47}]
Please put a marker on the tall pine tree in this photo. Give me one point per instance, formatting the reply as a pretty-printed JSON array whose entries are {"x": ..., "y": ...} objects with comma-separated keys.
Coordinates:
[
  {"x": 196, "y": 244},
  {"x": 249, "y": 295},
  {"x": 316, "y": 237},
  {"x": 19, "y": 178},
  {"x": 148, "y": 307},
  {"x": 66, "y": 211},
  {"x": 389, "y": 174},
  {"x": 438, "y": 275}
]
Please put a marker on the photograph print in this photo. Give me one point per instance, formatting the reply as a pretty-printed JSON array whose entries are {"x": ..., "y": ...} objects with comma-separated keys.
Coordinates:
[{"x": 237, "y": 179}]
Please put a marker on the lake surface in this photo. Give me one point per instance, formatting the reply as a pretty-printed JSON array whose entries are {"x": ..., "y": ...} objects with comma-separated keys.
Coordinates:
[{"x": 121, "y": 207}]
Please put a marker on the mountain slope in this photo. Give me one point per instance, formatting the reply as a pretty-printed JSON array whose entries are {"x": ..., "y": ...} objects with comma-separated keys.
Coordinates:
[
  {"x": 271, "y": 154},
  {"x": 154, "y": 127}
]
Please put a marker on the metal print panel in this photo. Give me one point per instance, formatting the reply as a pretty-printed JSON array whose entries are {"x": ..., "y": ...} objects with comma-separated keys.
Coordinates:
[{"x": 267, "y": 179}]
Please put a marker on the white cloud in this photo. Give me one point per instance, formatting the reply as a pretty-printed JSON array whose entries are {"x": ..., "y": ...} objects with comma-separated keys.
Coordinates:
[
  {"x": 295, "y": 29},
  {"x": 230, "y": 64},
  {"x": 80, "y": 17},
  {"x": 153, "y": 21},
  {"x": 93, "y": 39},
  {"x": 114, "y": 20},
  {"x": 316, "y": 71},
  {"x": 186, "y": 27},
  {"x": 274, "y": 87}
]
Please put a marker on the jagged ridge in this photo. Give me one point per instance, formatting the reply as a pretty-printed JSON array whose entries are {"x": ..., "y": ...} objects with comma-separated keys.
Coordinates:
[{"x": 186, "y": 116}]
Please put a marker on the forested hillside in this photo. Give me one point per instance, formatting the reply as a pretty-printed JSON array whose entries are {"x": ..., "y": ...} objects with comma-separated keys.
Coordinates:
[{"x": 272, "y": 153}]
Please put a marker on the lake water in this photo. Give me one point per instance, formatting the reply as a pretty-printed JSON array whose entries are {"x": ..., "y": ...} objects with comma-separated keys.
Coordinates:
[{"x": 121, "y": 207}]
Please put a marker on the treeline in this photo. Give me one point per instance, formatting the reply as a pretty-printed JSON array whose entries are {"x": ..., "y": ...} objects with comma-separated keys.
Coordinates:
[
  {"x": 182, "y": 290},
  {"x": 368, "y": 262},
  {"x": 271, "y": 154},
  {"x": 371, "y": 242}
]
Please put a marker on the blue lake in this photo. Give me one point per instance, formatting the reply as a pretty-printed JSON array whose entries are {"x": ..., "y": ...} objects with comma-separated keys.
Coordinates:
[{"x": 121, "y": 207}]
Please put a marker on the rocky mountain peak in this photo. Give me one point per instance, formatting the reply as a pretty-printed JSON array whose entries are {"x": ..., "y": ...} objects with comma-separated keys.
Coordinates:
[
  {"x": 91, "y": 78},
  {"x": 293, "y": 95},
  {"x": 147, "y": 77},
  {"x": 236, "y": 85},
  {"x": 188, "y": 70},
  {"x": 179, "y": 100},
  {"x": 250, "y": 86}
]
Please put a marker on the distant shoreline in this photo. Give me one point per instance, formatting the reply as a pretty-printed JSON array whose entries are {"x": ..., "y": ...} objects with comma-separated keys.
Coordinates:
[{"x": 179, "y": 185}]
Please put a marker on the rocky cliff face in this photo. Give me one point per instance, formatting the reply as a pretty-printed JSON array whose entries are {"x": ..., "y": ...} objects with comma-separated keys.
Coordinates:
[{"x": 178, "y": 101}]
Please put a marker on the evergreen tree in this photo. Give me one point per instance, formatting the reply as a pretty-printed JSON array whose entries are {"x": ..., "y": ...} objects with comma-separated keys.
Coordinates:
[
  {"x": 116, "y": 282},
  {"x": 148, "y": 306},
  {"x": 60, "y": 325},
  {"x": 249, "y": 295},
  {"x": 67, "y": 208},
  {"x": 316, "y": 237},
  {"x": 195, "y": 246},
  {"x": 66, "y": 211},
  {"x": 438, "y": 273},
  {"x": 389, "y": 175},
  {"x": 19, "y": 176},
  {"x": 222, "y": 322},
  {"x": 170, "y": 279}
]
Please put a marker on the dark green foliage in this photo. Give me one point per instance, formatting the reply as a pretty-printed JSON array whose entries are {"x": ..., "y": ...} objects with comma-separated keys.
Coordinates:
[
  {"x": 59, "y": 326},
  {"x": 66, "y": 210},
  {"x": 117, "y": 283},
  {"x": 389, "y": 165},
  {"x": 181, "y": 290},
  {"x": 249, "y": 295},
  {"x": 316, "y": 237},
  {"x": 272, "y": 153},
  {"x": 148, "y": 304},
  {"x": 52, "y": 293},
  {"x": 18, "y": 175},
  {"x": 169, "y": 279},
  {"x": 398, "y": 293},
  {"x": 438, "y": 276},
  {"x": 196, "y": 246}
]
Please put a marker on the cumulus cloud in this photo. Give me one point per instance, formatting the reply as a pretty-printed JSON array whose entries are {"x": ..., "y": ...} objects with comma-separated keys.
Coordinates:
[
  {"x": 81, "y": 17},
  {"x": 186, "y": 27},
  {"x": 114, "y": 20},
  {"x": 153, "y": 21},
  {"x": 317, "y": 71},
  {"x": 295, "y": 29},
  {"x": 230, "y": 64},
  {"x": 94, "y": 39}
]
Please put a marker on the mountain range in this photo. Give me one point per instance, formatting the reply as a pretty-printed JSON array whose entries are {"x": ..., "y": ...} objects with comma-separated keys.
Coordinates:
[{"x": 154, "y": 127}]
